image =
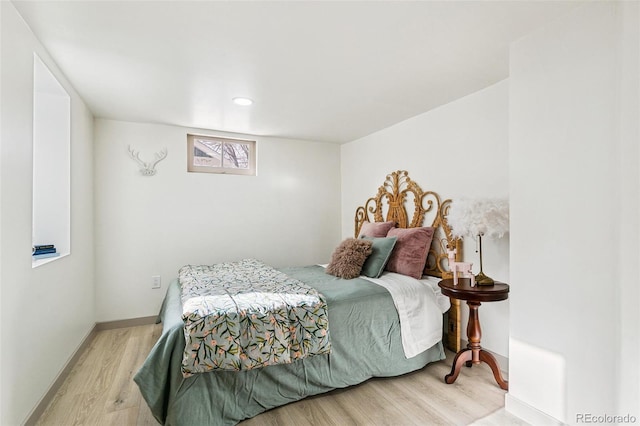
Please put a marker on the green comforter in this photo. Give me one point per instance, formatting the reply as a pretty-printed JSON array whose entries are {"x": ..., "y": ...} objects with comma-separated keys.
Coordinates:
[{"x": 365, "y": 341}]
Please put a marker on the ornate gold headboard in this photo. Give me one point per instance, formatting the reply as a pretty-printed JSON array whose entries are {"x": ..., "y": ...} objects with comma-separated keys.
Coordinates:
[{"x": 404, "y": 196}]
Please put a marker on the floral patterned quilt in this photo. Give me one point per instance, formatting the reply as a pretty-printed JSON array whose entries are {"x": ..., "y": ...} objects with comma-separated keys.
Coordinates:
[{"x": 246, "y": 314}]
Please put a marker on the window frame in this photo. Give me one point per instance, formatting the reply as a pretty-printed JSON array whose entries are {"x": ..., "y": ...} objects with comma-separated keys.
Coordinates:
[{"x": 192, "y": 168}]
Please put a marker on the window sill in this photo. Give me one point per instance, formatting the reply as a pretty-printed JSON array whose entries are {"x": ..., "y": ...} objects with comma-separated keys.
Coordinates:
[{"x": 39, "y": 262}]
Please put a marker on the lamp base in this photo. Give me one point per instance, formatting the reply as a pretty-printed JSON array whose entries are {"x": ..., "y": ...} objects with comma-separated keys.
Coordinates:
[{"x": 482, "y": 279}]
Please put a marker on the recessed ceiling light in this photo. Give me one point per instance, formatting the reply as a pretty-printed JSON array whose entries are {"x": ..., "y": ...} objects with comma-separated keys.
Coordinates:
[{"x": 242, "y": 101}]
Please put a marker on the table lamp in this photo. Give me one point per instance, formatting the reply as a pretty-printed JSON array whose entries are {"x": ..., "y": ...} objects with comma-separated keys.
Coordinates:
[{"x": 487, "y": 217}]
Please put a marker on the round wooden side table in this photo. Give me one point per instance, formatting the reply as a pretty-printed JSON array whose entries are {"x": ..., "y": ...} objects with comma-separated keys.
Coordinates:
[{"x": 473, "y": 353}]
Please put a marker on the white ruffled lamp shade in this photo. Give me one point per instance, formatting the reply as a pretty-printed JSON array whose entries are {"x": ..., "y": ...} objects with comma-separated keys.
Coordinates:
[{"x": 485, "y": 217}]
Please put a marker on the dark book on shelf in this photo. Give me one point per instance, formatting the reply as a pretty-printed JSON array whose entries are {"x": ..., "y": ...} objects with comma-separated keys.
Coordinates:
[
  {"x": 45, "y": 251},
  {"x": 45, "y": 246}
]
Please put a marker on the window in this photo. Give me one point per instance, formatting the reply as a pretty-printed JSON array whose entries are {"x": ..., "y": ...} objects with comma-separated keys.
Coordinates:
[{"x": 208, "y": 154}]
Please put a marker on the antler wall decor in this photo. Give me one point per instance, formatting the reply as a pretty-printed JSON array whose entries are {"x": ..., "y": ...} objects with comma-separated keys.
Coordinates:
[{"x": 147, "y": 169}]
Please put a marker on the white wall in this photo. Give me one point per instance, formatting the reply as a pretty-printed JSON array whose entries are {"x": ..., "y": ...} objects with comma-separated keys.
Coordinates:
[
  {"x": 628, "y": 332},
  {"x": 286, "y": 215},
  {"x": 457, "y": 150},
  {"x": 45, "y": 312},
  {"x": 574, "y": 216},
  {"x": 1, "y": 178}
]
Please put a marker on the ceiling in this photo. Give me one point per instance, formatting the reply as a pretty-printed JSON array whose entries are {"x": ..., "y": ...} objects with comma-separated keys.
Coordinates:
[{"x": 321, "y": 71}]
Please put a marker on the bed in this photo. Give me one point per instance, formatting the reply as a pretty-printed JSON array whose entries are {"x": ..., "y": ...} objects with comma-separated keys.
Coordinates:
[{"x": 368, "y": 334}]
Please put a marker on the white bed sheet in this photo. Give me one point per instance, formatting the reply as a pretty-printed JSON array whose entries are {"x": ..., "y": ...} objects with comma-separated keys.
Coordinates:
[{"x": 420, "y": 305}]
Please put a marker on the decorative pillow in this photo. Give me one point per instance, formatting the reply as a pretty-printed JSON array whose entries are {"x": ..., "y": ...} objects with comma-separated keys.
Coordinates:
[
  {"x": 381, "y": 250},
  {"x": 348, "y": 258},
  {"x": 410, "y": 253},
  {"x": 375, "y": 229}
]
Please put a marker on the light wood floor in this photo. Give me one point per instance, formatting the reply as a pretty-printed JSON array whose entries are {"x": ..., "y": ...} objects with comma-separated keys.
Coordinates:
[{"x": 100, "y": 391}]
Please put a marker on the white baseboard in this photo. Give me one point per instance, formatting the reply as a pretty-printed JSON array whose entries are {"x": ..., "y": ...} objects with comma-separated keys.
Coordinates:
[
  {"x": 528, "y": 413},
  {"x": 133, "y": 322}
]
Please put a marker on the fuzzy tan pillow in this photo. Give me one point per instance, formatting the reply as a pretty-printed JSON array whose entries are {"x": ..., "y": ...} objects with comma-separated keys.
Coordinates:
[{"x": 347, "y": 259}]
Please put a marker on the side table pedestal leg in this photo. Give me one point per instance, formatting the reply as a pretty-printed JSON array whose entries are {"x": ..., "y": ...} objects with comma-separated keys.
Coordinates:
[
  {"x": 474, "y": 354},
  {"x": 461, "y": 358},
  {"x": 497, "y": 374}
]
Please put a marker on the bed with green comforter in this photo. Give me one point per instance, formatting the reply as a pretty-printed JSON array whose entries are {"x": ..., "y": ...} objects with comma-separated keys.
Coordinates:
[{"x": 365, "y": 342}]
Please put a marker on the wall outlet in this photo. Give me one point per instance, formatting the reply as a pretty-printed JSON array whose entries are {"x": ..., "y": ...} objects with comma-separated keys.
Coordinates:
[{"x": 156, "y": 281}]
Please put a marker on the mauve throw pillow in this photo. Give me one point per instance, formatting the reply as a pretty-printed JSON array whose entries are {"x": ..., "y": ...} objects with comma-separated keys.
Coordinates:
[
  {"x": 410, "y": 253},
  {"x": 347, "y": 259},
  {"x": 375, "y": 229}
]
